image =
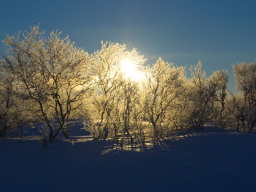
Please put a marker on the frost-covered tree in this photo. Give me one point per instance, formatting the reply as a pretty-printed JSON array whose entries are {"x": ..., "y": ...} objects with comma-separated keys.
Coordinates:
[
  {"x": 13, "y": 109},
  {"x": 131, "y": 95},
  {"x": 218, "y": 82},
  {"x": 245, "y": 75},
  {"x": 236, "y": 112},
  {"x": 51, "y": 72},
  {"x": 7, "y": 105},
  {"x": 106, "y": 86},
  {"x": 164, "y": 87},
  {"x": 132, "y": 113},
  {"x": 112, "y": 96},
  {"x": 201, "y": 92}
]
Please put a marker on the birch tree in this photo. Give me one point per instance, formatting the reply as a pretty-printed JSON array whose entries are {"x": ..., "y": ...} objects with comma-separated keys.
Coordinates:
[
  {"x": 165, "y": 85},
  {"x": 52, "y": 73},
  {"x": 245, "y": 75},
  {"x": 112, "y": 93},
  {"x": 218, "y": 82}
]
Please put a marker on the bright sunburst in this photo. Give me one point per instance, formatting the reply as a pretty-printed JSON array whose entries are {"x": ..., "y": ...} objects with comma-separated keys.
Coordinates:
[{"x": 131, "y": 71}]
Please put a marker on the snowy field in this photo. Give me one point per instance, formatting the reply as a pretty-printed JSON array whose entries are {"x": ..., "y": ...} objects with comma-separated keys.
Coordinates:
[{"x": 205, "y": 160}]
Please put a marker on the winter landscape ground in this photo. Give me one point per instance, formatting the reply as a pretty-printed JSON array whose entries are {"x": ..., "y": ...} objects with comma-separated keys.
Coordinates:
[{"x": 202, "y": 160}]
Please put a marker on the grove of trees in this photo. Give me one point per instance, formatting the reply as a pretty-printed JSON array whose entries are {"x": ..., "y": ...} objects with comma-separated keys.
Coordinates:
[{"x": 47, "y": 80}]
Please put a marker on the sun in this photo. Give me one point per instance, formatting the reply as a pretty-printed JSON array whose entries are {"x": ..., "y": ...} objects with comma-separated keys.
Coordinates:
[{"x": 131, "y": 70}]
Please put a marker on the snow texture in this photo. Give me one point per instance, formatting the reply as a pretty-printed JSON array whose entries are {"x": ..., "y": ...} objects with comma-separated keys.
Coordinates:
[{"x": 205, "y": 160}]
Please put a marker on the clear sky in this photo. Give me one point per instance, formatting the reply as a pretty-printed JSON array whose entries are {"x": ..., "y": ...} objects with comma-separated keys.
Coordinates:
[{"x": 218, "y": 32}]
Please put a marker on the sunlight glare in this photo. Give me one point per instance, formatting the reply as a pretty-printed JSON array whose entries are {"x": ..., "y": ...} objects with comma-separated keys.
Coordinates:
[{"x": 131, "y": 71}]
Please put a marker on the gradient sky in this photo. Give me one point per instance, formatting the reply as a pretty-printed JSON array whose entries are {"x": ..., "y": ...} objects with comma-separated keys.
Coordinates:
[{"x": 218, "y": 32}]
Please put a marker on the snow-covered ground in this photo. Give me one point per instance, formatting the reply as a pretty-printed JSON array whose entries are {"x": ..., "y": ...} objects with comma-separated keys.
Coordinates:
[{"x": 205, "y": 160}]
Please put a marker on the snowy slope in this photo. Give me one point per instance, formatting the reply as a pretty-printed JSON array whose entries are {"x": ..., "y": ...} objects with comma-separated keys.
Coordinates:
[{"x": 202, "y": 161}]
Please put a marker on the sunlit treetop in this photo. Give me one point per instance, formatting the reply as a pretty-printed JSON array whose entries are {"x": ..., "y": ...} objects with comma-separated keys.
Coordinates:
[
  {"x": 131, "y": 66},
  {"x": 131, "y": 70}
]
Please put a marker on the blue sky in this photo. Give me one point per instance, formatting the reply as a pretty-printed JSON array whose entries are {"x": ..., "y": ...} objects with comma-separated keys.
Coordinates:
[{"x": 218, "y": 32}]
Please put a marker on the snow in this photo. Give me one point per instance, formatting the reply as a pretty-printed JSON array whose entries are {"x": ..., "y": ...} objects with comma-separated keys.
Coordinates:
[{"x": 203, "y": 160}]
